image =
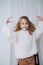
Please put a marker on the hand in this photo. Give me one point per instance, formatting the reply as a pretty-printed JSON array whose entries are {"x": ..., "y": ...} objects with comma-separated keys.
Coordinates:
[
  {"x": 39, "y": 18},
  {"x": 9, "y": 20}
]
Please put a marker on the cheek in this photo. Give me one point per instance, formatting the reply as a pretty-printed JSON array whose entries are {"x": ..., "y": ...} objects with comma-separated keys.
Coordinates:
[
  {"x": 21, "y": 26},
  {"x": 27, "y": 25}
]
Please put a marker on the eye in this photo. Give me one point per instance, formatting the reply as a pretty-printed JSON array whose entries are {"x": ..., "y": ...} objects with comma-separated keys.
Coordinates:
[
  {"x": 26, "y": 23},
  {"x": 22, "y": 23}
]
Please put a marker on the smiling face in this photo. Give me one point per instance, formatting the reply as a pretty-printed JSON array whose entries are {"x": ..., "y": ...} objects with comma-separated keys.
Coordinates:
[{"x": 24, "y": 24}]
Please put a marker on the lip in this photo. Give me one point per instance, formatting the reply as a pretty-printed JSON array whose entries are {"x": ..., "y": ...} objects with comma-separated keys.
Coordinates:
[{"x": 24, "y": 27}]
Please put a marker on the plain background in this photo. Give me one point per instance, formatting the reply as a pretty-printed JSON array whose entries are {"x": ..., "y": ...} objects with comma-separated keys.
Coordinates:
[{"x": 17, "y": 8}]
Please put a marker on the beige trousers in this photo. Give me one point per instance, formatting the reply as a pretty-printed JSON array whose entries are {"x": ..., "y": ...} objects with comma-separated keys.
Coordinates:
[{"x": 27, "y": 61}]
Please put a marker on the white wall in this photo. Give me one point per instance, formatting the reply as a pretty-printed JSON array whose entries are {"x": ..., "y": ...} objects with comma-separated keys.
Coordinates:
[
  {"x": 16, "y": 8},
  {"x": 5, "y": 11}
]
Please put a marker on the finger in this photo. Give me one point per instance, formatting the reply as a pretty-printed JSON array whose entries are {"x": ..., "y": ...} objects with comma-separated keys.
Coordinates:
[
  {"x": 38, "y": 17},
  {"x": 9, "y": 18}
]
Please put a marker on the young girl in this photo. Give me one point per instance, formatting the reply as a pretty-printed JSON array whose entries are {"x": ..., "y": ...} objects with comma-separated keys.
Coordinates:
[{"x": 24, "y": 36}]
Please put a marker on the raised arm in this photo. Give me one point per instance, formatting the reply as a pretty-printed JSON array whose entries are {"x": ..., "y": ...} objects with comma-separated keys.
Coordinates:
[
  {"x": 39, "y": 28},
  {"x": 10, "y": 36}
]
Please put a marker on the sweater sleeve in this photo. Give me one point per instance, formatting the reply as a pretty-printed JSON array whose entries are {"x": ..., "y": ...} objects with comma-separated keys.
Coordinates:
[
  {"x": 39, "y": 30},
  {"x": 10, "y": 36}
]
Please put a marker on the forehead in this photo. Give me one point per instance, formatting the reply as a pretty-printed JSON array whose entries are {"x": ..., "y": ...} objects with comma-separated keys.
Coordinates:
[{"x": 23, "y": 20}]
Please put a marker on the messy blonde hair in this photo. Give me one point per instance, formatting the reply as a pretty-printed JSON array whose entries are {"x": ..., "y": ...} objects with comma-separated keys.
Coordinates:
[{"x": 31, "y": 27}]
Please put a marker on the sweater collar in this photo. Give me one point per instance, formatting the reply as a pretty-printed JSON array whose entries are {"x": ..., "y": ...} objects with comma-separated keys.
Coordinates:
[{"x": 24, "y": 30}]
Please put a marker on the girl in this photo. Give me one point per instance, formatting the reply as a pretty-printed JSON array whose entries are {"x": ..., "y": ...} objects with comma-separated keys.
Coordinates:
[{"x": 24, "y": 36}]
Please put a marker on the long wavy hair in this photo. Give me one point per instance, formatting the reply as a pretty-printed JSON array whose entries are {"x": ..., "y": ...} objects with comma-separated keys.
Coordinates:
[{"x": 31, "y": 27}]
